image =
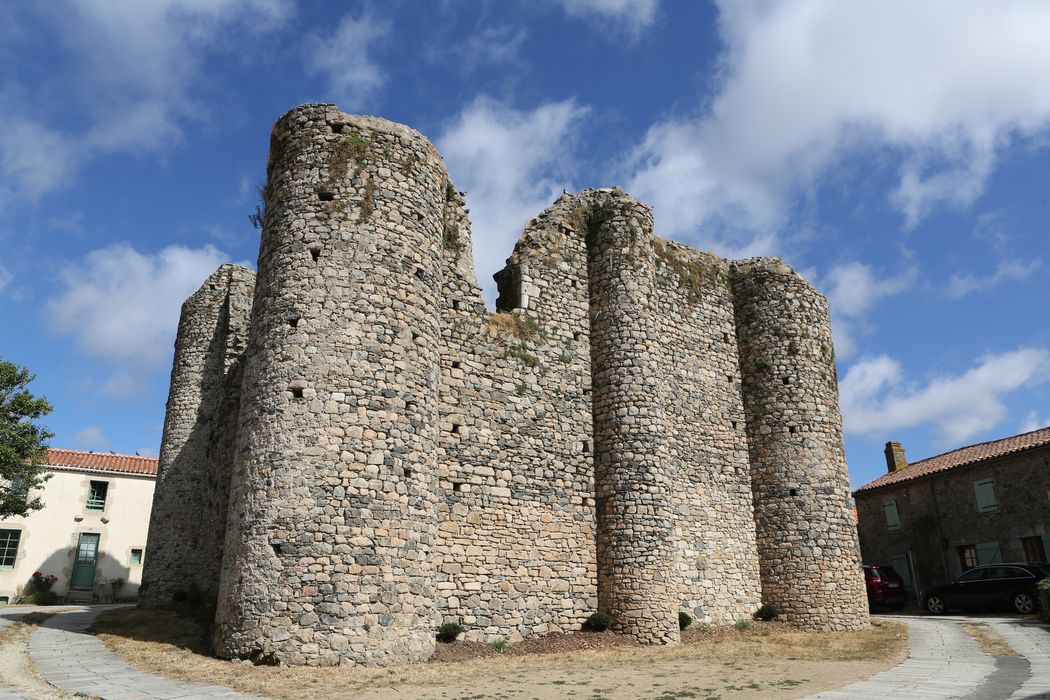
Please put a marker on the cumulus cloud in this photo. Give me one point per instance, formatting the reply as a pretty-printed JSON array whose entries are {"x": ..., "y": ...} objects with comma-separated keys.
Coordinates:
[
  {"x": 940, "y": 86},
  {"x": 122, "y": 306},
  {"x": 343, "y": 59},
  {"x": 513, "y": 164},
  {"x": 853, "y": 289},
  {"x": 5, "y": 277},
  {"x": 91, "y": 438},
  {"x": 633, "y": 15},
  {"x": 1007, "y": 271},
  {"x": 876, "y": 399},
  {"x": 127, "y": 79}
]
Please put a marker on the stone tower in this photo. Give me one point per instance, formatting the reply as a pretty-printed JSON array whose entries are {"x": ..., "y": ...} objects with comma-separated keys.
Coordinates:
[
  {"x": 196, "y": 455},
  {"x": 332, "y": 525},
  {"x": 639, "y": 427},
  {"x": 807, "y": 539}
]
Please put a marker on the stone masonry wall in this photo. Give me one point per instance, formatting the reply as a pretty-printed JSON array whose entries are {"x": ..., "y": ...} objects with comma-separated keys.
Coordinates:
[
  {"x": 807, "y": 540},
  {"x": 934, "y": 533},
  {"x": 403, "y": 456},
  {"x": 515, "y": 553},
  {"x": 330, "y": 539},
  {"x": 189, "y": 505},
  {"x": 633, "y": 485}
]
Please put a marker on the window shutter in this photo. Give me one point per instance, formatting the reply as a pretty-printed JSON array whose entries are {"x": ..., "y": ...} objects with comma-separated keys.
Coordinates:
[
  {"x": 984, "y": 490},
  {"x": 893, "y": 518},
  {"x": 989, "y": 553}
]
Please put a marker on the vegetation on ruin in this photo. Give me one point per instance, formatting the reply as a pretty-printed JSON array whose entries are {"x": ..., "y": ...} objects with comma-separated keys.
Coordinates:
[
  {"x": 368, "y": 202},
  {"x": 505, "y": 324},
  {"x": 767, "y": 612},
  {"x": 743, "y": 625},
  {"x": 500, "y": 644},
  {"x": 598, "y": 622},
  {"x": 520, "y": 352},
  {"x": 694, "y": 273},
  {"x": 449, "y": 631}
]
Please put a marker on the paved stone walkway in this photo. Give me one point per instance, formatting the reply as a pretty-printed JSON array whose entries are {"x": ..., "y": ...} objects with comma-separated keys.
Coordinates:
[
  {"x": 80, "y": 663},
  {"x": 945, "y": 662}
]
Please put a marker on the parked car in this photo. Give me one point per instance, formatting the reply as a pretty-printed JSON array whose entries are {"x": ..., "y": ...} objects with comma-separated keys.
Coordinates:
[
  {"x": 990, "y": 586},
  {"x": 885, "y": 587}
]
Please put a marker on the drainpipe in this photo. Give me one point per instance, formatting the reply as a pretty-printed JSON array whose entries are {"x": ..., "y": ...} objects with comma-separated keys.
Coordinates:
[{"x": 940, "y": 534}]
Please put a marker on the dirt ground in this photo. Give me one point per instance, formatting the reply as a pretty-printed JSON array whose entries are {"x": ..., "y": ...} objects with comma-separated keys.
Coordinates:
[
  {"x": 771, "y": 660},
  {"x": 16, "y": 671}
]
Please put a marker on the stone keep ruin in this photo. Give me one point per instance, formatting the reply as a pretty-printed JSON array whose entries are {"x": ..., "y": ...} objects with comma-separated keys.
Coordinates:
[{"x": 356, "y": 450}]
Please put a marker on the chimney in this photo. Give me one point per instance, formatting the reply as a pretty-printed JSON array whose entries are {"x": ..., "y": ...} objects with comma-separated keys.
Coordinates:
[{"x": 895, "y": 459}]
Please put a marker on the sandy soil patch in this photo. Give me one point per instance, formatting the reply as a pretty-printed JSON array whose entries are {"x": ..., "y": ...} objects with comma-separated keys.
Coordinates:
[
  {"x": 769, "y": 661},
  {"x": 16, "y": 670}
]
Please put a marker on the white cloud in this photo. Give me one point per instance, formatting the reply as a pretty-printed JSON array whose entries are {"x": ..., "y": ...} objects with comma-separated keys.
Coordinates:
[
  {"x": 512, "y": 164},
  {"x": 853, "y": 288},
  {"x": 126, "y": 80},
  {"x": 633, "y": 15},
  {"x": 1007, "y": 270},
  {"x": 91, "y": 438},
  {"x": 122, "y": 306},
  {"x": 1033, "y": 422},
  {"x": 940, "y": 86},
  {"x": 492, "y": 46},
  {"x": 5, "y": 277},
  {"x": 876, "y": 400},
  {"x": 343, "y": 59}
]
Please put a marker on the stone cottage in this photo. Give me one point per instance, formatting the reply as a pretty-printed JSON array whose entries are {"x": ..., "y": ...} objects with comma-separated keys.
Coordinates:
[
  {"x": 356, "y": 450},
  {"x": 980, "y": 504}
]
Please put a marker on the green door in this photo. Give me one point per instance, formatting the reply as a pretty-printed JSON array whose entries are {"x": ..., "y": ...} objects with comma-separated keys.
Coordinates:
[{"x": 84, "y": 567}]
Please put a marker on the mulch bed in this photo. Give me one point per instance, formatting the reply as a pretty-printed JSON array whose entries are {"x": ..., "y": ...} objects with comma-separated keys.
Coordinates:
[{"x": 577, "y": 641}]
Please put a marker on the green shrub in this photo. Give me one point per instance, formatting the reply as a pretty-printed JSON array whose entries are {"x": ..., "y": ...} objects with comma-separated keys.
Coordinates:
[
  {"x": 448, "y": 632},
  {"x": 598, "y": 622},
  {"x": 499, "y": 644},
  {"x": 40, "y": 598},
  {"x": 767, "y": 612},
  {"x": 684, "y": 620},
  {"x": 1044, "y": 599},
  {"x": 703, "y": 627},
  {"x": 743, "y": 625}
]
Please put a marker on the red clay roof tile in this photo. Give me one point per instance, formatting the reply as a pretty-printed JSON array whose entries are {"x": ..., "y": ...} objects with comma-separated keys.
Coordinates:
[
  {"x": 102, "y": 462},
  {"x": 962, "y": 457}
]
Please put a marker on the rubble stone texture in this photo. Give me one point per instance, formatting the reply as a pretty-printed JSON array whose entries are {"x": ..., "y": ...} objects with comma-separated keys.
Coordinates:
[
  {"x": 196, "y": 454},
  {"x": 405, "y": 457}
]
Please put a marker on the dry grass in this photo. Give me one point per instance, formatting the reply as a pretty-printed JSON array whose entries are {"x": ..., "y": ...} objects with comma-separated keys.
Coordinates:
[
  {"x": 990, "y": 641},
  {"x": 771, "y": 661}
]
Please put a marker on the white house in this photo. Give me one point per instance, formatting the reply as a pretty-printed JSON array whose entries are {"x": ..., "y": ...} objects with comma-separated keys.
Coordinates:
[{"x": 91, "y": 530}]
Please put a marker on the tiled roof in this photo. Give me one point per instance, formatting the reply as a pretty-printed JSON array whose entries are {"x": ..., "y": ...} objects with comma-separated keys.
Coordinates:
[
  {"x": 102, "y": 462},
  {"x": 962, "y": 457}
]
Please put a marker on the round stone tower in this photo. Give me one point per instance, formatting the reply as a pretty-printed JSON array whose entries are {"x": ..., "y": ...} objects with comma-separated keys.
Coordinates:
[
  {"x": 809, "y": 558},
  {"x": 331, "y": 524},
  {"x": 633, "y": 489}
]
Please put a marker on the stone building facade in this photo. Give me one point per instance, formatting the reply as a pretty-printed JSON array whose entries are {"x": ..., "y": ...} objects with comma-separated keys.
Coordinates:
[
  {"x": 638, "y": 428},
  {"x": 980, "y": 504}
]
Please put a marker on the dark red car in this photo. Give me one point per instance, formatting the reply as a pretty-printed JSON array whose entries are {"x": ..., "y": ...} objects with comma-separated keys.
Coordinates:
[{"x": 885, "y": 587}]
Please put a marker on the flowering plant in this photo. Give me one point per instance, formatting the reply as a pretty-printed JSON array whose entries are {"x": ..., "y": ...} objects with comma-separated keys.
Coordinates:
[{"x": 43, "y": 583}]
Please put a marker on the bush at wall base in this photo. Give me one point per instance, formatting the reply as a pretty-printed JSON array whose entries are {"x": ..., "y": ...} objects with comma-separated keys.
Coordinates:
[{"x": 1044, "y": 599}]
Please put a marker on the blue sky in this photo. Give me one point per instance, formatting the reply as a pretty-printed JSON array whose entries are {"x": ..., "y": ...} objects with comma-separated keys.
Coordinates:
[{"x": 894, "y": 152}]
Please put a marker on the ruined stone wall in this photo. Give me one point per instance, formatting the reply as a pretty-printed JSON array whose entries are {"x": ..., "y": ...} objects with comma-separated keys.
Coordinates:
[
  {"x": 807, "y": 539},
  {"x": 332, "y": 525},
  {"x": 515, "y": 553},
  {"x": 189, "y": 506},
  {"x": 714, "y": 529},
  {"x": 405, "y": 457}
]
